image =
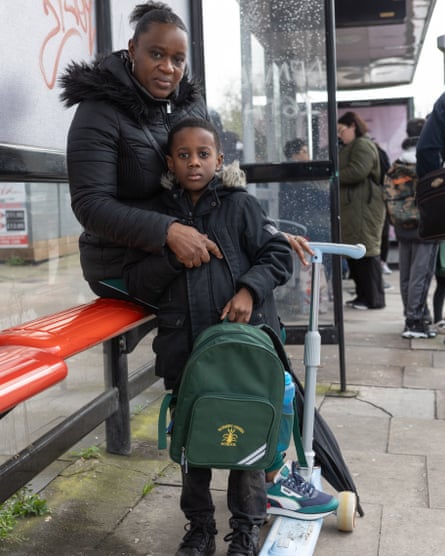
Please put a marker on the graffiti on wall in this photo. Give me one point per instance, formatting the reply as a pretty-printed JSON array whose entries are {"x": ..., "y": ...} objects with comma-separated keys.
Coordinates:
[{"x": 67, "y": 19}]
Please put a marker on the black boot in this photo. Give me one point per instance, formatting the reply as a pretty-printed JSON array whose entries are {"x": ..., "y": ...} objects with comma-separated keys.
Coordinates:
[
  {"x": 244, "y": 539},
  {"x": 199, "y": 539}
]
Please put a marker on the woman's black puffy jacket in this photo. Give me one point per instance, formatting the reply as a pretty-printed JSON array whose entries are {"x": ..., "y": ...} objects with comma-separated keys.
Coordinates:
[{"x": 112, "y": 164}]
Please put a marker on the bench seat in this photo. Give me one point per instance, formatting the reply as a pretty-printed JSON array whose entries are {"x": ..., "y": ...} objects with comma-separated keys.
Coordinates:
[
  {"x": 26, "y": 371},
  {"x": 77, "y": 329}
]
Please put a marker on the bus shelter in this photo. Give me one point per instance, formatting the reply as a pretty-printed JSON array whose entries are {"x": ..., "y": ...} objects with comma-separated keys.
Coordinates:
[{"x": 269, "y": 73}]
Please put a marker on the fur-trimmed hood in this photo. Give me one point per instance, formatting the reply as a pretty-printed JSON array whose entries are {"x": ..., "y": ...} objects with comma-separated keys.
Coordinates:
[
  {"x": 109, "y": 79},
  {"x": 229, "y": 176}
]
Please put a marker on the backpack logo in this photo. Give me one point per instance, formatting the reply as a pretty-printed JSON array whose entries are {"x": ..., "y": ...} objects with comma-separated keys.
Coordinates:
[{"x": 230, "y": 434}]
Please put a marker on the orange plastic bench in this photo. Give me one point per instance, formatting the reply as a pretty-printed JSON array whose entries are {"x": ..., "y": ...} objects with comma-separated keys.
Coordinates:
[
  {"x": 77, "y": 329},
  {"x": 32, "y": 358},
  {"x": 26, "y": 371}
]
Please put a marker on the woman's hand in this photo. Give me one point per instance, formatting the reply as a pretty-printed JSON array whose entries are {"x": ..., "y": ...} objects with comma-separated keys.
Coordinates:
[
  {"x": 239, "y": 308},
  {"x": 190, "y": 247},
  {"x": 301, "y": 246}
]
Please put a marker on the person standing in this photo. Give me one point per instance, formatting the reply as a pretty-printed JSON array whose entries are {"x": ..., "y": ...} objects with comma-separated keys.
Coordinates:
[
  {"x": 417, "y": 257},
  {"x": 430, "y": 156},
  {"x": 362, "y": 209},
  {"x": 439, "y": 291}
]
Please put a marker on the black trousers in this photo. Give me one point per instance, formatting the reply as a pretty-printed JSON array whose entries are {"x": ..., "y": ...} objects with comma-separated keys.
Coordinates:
[
  {"x": 438, "y": 298},
  {"x": 246, "y": 495},
  {"x": 367, "y": 276}
]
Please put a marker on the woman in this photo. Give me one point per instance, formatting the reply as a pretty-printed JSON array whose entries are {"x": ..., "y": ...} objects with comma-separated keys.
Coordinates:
[
  {"x": 127, "y": 103},
  {"x": 362, "y": 209}
]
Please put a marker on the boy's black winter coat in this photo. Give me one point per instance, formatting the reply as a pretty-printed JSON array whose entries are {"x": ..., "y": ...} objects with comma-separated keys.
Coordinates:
[{"x": 256, "y": 256}]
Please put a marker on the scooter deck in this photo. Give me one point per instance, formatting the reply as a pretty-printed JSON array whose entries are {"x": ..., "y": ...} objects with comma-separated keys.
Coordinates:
[{"x": 293, "y": 537}]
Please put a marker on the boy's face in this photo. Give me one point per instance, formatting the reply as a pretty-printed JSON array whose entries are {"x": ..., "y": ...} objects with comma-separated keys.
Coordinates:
[{"x": 194, "y": 159}]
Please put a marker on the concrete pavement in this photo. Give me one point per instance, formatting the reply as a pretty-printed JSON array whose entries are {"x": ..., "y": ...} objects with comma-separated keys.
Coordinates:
[{"x": 391, "y": 430}]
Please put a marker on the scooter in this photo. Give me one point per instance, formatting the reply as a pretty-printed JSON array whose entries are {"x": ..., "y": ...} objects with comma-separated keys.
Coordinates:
[{"x": 290, "y": 536}]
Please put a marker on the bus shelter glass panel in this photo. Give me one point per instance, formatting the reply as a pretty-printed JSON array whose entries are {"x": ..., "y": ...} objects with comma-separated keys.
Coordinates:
[
  {"x": 266, "y": 87},
  {"x": 39, "y": 257}
]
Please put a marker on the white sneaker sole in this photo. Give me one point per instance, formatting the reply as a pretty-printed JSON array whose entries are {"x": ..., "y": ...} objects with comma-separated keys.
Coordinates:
[
  {"x": 290, "y": 513},
  {"x": 417, "y": 335}
]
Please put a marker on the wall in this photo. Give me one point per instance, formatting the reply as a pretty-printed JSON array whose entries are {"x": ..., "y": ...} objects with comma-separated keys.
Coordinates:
[
  {"x": 121, "y": 9},
  {"x": 37, "y": 40}
]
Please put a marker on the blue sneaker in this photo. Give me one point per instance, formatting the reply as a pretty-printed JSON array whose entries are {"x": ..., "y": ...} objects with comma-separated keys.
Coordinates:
[{"x": 292, "y": 496}]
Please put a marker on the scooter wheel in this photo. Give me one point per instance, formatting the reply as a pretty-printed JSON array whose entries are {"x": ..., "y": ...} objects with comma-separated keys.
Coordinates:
[{"x": 346, "y": 511}]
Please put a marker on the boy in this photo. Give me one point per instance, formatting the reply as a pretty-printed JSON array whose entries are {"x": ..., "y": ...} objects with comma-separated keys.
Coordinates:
[{"x": 257, "y": 258}]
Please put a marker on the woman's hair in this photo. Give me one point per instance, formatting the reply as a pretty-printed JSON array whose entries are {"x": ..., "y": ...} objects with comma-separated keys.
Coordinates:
[
  {"x": 153, "y": 12},
  {"x": 351, "y": 118},
  {"x": 193, "y": 122},
  {"x": 414, "y": 127},
  {"x": 293, "y": 146},
  {"x": 409, "y": 143}
]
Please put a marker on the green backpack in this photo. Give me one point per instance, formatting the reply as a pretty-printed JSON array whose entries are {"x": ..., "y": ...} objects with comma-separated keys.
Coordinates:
[{"x": 229, "y": 405}]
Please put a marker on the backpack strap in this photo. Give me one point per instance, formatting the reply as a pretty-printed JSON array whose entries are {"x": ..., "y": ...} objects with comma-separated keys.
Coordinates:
[
  {"x": 278, "y": 345},
  {"x": 297, "y": 437},
  {"x": 162, "y": 421}
]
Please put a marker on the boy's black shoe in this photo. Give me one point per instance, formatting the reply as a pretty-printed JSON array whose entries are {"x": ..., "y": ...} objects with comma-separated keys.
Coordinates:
[
  {"x": 199, "y": 539},
  {"x": 244, "y": 539}
]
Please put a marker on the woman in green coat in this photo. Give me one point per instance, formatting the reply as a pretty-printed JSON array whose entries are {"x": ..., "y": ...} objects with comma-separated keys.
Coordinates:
[{"x": 362, "y": 209}]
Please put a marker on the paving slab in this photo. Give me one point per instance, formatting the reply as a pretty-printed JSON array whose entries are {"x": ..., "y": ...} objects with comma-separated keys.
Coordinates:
[
  {"x": 424, "y": 377},
  {"x": 436, "y": 481},
  {"x": 383, "y": 356},
  {"x": 439, "y": 358},
  {"x": 380, "y": 477},
  {"x": 400, "y": 402},
  {"x": 412, "y": 530},
  {"x": 417, "y": 436},
  {"x": 440, "y": 404},
  {"x": 358, "y": 431},
  {"x": 363, "y": 541}
]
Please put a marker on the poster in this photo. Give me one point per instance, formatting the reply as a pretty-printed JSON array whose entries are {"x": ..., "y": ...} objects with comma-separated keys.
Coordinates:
[{"x": 13, "y": 215}]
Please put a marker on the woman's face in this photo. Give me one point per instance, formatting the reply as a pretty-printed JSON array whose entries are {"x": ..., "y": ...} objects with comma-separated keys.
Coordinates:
[
  {"x": 346, "y": 133},
  {"x": 159, "y": 58}
]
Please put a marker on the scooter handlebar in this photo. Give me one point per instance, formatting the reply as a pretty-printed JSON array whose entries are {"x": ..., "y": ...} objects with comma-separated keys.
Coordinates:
[{"x": 356, "y": 251}]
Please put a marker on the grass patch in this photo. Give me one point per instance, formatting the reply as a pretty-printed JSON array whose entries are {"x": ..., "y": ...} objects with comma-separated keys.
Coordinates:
[
  {"x": 21, "y": 505},
  {"x": 15, "y": 260},
  {"x": 147, "y": 488},
  {"x": 92, "y": 452}
]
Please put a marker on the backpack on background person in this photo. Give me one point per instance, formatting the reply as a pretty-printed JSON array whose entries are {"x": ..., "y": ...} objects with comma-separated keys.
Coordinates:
[{"x": 399, "y": 193}]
